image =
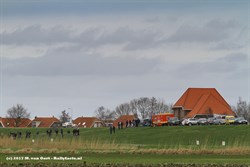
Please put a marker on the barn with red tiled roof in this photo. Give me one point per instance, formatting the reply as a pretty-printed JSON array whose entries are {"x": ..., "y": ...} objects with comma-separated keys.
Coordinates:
[
  {"x": 201, "y": 102},
  {"x": 88, "y": 122},
  {"x": 13, "y": 122},
  {"x": 45, "y": 122},
  {"x": 123, "y": 119}
]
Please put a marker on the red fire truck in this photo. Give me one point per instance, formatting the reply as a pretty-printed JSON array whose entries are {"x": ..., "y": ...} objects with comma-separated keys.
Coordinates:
[{"x": 161, "y": 119}]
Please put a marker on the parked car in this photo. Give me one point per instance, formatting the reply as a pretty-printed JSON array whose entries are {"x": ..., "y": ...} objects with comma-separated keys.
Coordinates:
[
  {"x": 240, "y": 120},
  {"x": 190, "y": 121},
  {"x": 202, "y": 121},
  {"x": 219, "y": 121},
  {"x": 229, "y": 120},
  {"x": 174, "y": 121},
  {"x": 68, "y": 125},
  {"x": 210, "y": 121},
  {"x": 146, "y": 122}
]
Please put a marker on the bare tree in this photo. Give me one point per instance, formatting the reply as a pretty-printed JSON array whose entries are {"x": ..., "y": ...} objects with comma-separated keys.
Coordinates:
[
  {"x": 146, "y": 107},
  {"x": 143, "y": 106},
  {"x": 104, "y": 114},
  {"x": 133, "y": 106},
  {"x": 100, "y": 112},
  {"x": 17, "y": 112},
  {"x": 123, "y": 109},
  {"x": 64, "y": 117},
  {"x": 162, "y": 107},
  {"x": 242, "y": 109},
  {"x": 153, "y": 106}
]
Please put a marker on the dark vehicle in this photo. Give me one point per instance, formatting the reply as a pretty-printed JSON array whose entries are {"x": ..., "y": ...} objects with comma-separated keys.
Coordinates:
[
  {"x": 147, "y": 122},
  {"x": 174, "y": 121},
  {"x": 202, "y": 121},
  {"x": 240, "y": 120}
]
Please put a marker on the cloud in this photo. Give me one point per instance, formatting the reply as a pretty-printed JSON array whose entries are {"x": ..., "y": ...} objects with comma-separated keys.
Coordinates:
[
  {"x": 152, "y": 20},
  {"x": 36, "y": 35},
  {"x": 212, "y": 31},
  {"x": 92, "y": 37},
  {"x": 228, "y": 65},
  {"x": 125, "y": 38},
  {"x": 70, "y": 62},
  {"x": 227, "y": 46}
]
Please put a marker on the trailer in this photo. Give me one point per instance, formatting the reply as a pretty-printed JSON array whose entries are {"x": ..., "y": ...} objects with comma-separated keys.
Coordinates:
[{"x": 161, "y": 119}]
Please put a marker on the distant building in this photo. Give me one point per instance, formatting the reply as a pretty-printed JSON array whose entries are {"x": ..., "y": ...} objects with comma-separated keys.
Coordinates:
[
  {"x": 88, "y": 122},
  {"x": 45, "y": 122},
  {"x": 11, "y": 122},
  {"x": 123, "y": 119},
  {"x": 201, "y": 102}
]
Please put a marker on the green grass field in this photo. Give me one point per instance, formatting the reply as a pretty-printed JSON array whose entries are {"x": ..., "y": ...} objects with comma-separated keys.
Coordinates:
[{"x": 143, "y": 145}]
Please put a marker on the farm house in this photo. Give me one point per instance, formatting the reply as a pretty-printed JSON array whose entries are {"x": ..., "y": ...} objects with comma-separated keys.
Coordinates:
[
  {"x": 88, "y": 122},
  {"x": 12, "y": 122},
  {"x": 201, "y": 102},
  {"x": 45, "y": 122}
]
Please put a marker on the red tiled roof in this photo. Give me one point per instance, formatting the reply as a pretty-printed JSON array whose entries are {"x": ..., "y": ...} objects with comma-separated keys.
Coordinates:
[
  {"x": 45, "y": 121},
  {"x": 201, "y": 100},
  {"x": 87, "y": 122},
  {"x": 24, "y": 122},
  {"x": 123, "y": 119}
]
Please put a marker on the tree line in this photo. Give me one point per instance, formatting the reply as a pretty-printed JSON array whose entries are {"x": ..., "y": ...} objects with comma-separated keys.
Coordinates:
[{"x": 143, "y": 107}]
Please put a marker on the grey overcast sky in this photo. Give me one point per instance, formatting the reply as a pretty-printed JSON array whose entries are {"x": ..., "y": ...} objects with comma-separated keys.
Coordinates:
[{"x": 78, "y": 55}]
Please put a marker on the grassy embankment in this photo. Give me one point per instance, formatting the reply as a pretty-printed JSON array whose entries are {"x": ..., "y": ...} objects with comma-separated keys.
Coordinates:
[{"x": 138, "y": 145}]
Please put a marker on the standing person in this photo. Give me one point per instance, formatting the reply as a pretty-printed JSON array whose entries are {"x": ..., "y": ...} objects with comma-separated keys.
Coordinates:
[
  {"x": 78, "y": 131},
  {"x": 50, "y": 131},
  {"x": 19, "y": 134},
  {"x": 137, "y": 122},
  {"x": 114, "y": 129},
  {"x": 110, "y": 129},
  {"x": 133, "y": 123},
  {"x": 61, "y": 130},
  {"x": 56, "y": 130},
  {"x": 126, "y": 123},
  {"x": 121, "y": 125},
  {"x": 28, "y": 133}
]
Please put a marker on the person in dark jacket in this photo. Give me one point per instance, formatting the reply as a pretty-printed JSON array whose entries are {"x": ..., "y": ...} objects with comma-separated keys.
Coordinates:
[
  {"x": 121, "y": 125},
  {"x": 110, "y": 129},
  {"x": 61, "y": 130}
]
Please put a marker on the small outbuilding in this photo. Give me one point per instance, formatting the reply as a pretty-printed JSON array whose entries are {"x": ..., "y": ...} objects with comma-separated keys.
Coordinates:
[{"x": 201, "y": 102}]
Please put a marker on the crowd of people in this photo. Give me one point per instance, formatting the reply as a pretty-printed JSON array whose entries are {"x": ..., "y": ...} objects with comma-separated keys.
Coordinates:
[
  {"x": 128, "y": 124},
  {"x": 18, "y": 134},
  {"x": 76, "y": 131},
  {"x": 49, "y": 132}
]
